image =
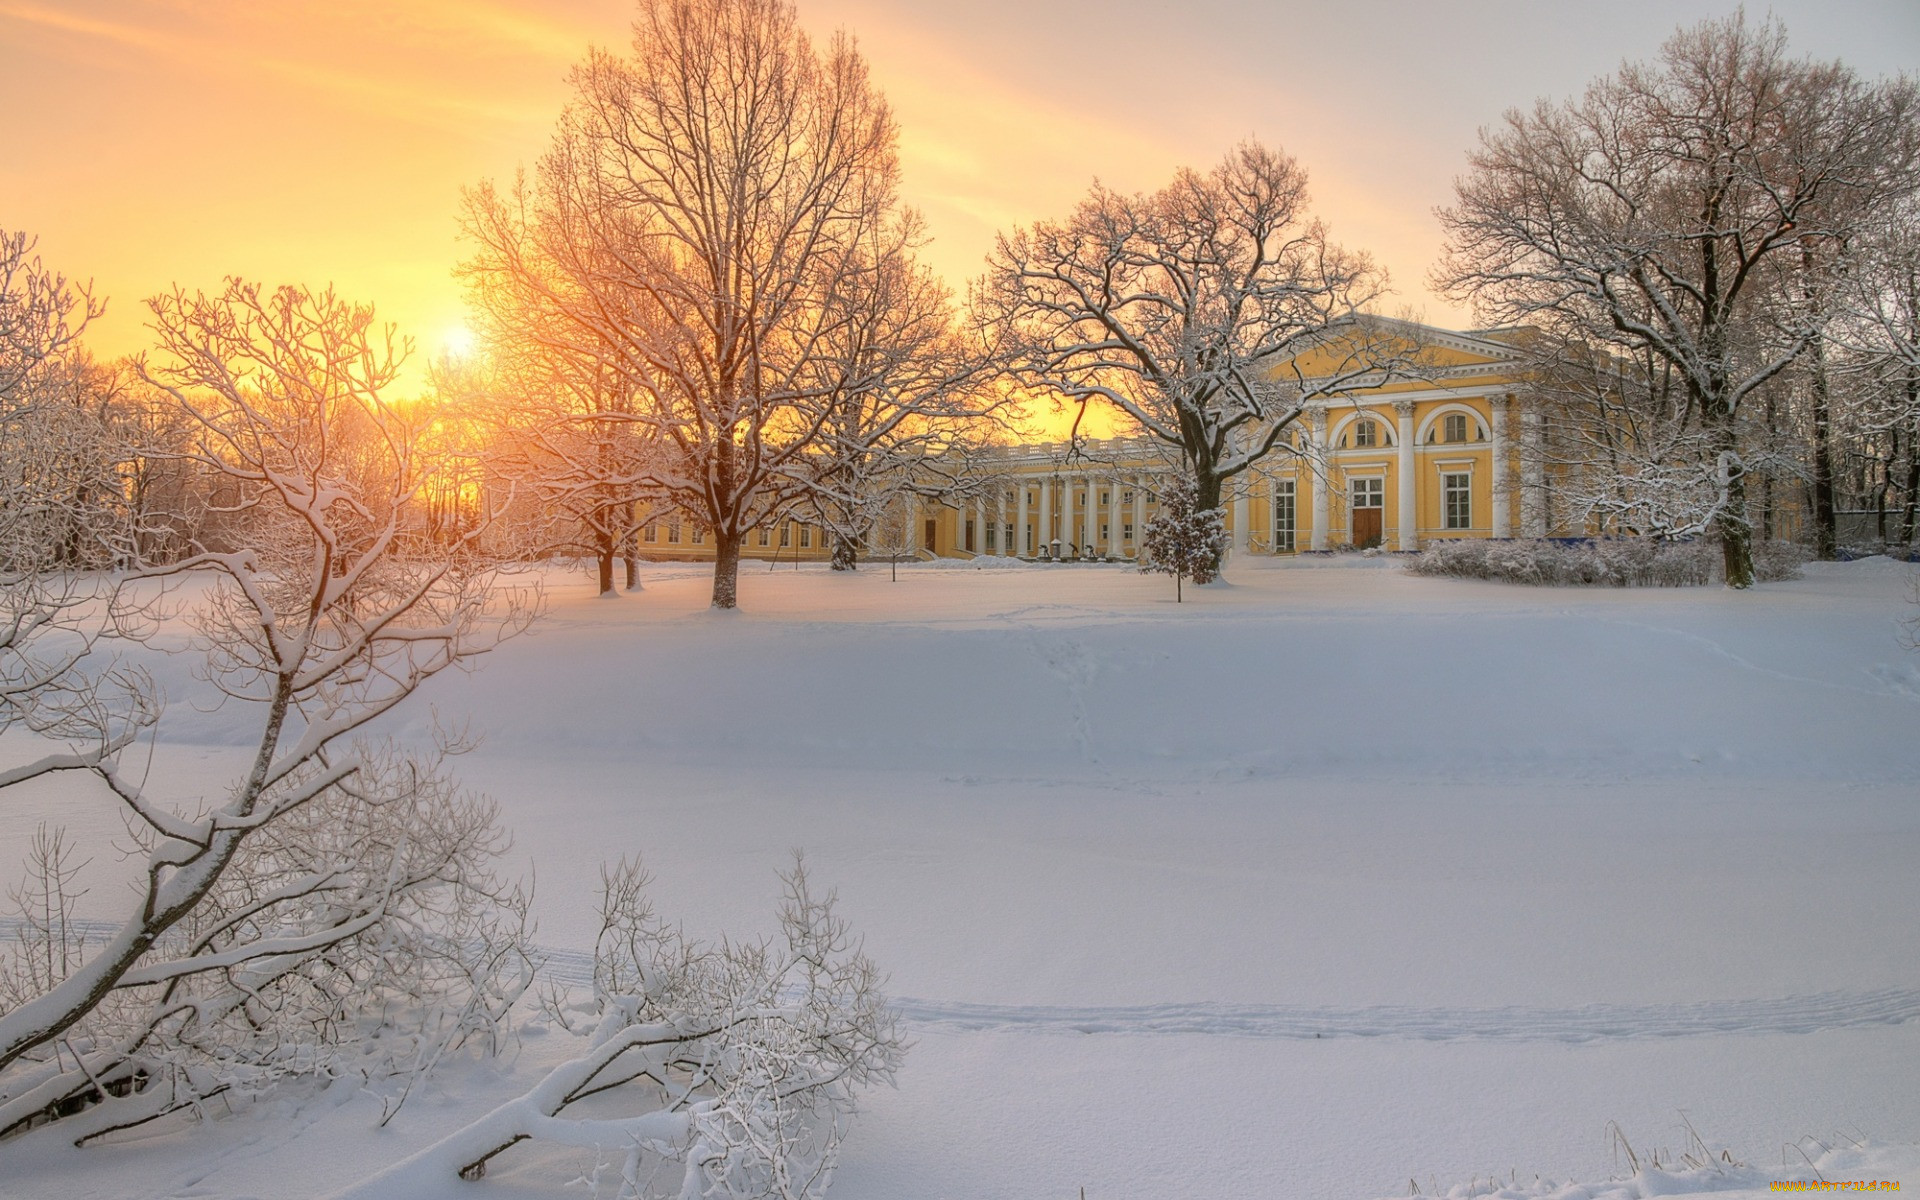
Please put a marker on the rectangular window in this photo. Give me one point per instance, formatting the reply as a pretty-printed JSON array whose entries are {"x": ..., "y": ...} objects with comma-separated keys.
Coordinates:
[
  {"x": 699, "y": 535},
  {"x": 1126, "y": 532},
  {"x": 1282, "y": 516},
  {"x": 1368, "y": 493},
  {"x": 673, "y": 532},
  {"x": 1455, "y": 428},
  {"x": 764, "y": 535},
  {"x": 1103, "y": 531},
  {"x": 1008, "y": 542},
  {"x": 786, "y": 533},
  {"x": 1126, "y": 497},
  {"x": 650, "y": 534},
  {"x": 1103, "y": 495},
  {"x": 1366, "y": 435},
  {"x": 1456, "y": 493},
  {"x": 806, "y": 537}
]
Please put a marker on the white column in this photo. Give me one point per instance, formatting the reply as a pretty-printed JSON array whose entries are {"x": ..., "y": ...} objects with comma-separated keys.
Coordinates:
[
  {"x": 1408, "y": 487},
  {"x": 1071, "y": 535},
  {"x": 1502, "y": 491},
  {"x": 1242, "y": 518},
  {"x": 913, "y": 523},
  {"x": 1110, "y": 544},
  {"x": 1020, "y": 527},
  {"x": 1074, "y": 517},
  {"x": 1316, "y": 460},
  {"x": 1045, "y": 531},
  {"x": 1533, "y": 483},
  {"x": 1090, "y": 518},
  {"x": 979, "y": 525}
]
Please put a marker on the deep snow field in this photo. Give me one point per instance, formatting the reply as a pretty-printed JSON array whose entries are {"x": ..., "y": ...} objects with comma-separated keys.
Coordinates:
[{"x": 1326, "y": 880}]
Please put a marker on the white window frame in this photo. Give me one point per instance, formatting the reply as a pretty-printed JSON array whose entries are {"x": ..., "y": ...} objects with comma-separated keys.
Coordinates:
[
  {"x": 1448, "y": 490},
  {"x": 1284, "y": 491}
]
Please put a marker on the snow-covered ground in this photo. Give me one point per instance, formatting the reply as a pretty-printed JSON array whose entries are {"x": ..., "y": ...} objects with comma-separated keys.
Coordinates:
[{"x": 1321, "y": 882}]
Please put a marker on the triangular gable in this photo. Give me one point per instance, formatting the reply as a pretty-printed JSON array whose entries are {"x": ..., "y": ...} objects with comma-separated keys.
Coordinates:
[{"x": 1428, "y": 350}]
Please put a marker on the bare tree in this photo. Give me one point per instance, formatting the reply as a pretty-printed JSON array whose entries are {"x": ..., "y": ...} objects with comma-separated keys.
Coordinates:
[
  {"x": 902, "y": 394},
  {"x": 1880, "y": 331},
  {"x": 42, "y": 314},
  {"x": 1190, "y": 311},
  {"x": 703, "y": 202},
  {"x": 560, "y": 432},
  {"x": 1648, "y": 214},
  {"x": 335, "y": 614}
]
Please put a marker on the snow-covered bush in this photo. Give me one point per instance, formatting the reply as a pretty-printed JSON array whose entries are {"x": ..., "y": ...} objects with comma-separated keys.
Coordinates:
[
  {"x": 1622, "y": 562},
  {"x": 1182, "y": 539},
  {"x": 362, "y": 935},
  {"x": 737, "y": 1063}
]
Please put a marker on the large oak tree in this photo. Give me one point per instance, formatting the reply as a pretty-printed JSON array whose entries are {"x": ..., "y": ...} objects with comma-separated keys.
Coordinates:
[{"x": 1657, "y": 214}]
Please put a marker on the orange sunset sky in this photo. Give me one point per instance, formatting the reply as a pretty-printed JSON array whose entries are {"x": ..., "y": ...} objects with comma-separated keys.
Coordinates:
[{"x": 154, "y": 142}]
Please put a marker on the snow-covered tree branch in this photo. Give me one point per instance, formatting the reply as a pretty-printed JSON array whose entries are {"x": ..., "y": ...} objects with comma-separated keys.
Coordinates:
[{"x": 739, "y": 1061}]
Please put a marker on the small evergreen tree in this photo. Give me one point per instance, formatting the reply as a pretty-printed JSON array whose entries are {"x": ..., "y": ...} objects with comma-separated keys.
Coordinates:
[{"x": 1184, "y": 540}]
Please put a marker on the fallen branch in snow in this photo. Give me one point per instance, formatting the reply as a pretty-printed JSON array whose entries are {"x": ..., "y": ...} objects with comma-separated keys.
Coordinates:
[{"x": 741, "y": 1060}]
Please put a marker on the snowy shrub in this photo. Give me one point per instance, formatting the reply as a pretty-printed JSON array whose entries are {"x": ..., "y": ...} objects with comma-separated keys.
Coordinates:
[
  {"x": 1696, "y": 1169},
  {"x": 362, "y": 935},
  {"x": 1777, "y": 560},
  {"x": 1182, "y": 540},
  {"x": 1623, "y": 562},
  {"x": 736, "y": 1064}
]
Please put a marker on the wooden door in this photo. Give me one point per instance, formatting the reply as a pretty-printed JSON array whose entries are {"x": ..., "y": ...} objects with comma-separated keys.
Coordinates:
[{"x": 1366, "y": 527}]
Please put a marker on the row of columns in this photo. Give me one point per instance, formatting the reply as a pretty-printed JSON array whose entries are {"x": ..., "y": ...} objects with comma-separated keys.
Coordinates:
[
  {"x": 1086, "y": 539},
  {"x": 1079, "y": 502}
]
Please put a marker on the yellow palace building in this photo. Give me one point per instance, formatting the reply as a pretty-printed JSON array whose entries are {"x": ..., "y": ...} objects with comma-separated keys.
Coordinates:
[{"x": 1431, "y": 451}]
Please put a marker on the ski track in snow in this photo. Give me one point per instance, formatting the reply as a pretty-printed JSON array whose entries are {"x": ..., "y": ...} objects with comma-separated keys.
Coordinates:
[
  {"x": 1588, "y": 1023},
  {"x": 1892, "y": 683}
]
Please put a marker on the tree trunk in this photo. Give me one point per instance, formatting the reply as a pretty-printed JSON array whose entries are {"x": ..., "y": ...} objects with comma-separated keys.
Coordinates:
[
  {"x": 726, "y": 568},
  {"x": 1824, "y": 522},
  {"x": 1733, "y": 528},
  {"x": 605, "y": 560},
  {"x": 1767, "y": 527},
  {"x": 1207, "y": 488},
  {"x": 1908, "y": 501},
  {"x": 630, "y": 551}
]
